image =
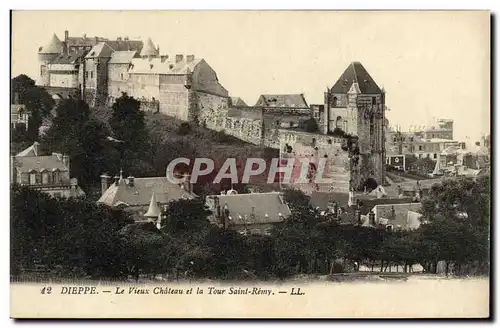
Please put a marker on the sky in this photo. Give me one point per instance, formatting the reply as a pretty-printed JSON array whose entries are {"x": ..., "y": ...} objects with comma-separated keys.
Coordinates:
[{"x": 431, "y": 64}]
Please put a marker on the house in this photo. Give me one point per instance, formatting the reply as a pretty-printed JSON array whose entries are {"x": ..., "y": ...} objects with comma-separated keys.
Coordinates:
[
  {"x": 254, "y": 213},
  {"x": 144, "y": 198},
  {"x": 48, "y": 174},
  {"x": 404, "y": 216},
  {"x": 19, "y": 116}
]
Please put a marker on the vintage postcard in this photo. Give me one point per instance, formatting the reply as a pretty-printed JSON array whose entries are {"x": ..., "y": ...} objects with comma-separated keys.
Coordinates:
[{"x": 250, "y": 164}]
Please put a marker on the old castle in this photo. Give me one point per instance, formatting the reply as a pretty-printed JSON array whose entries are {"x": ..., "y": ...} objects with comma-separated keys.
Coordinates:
[{"x": 351, "y": 122}]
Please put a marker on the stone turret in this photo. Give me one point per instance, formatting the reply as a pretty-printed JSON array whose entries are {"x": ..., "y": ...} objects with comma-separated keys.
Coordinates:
[
  {"x": 47, "y": 54},
  {"x": 149, "y": 50}
]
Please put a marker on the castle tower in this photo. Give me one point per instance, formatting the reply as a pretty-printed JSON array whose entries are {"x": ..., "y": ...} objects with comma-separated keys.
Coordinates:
[
  {"x": 149, "y": 50},
  {"x": 47, "y": 54},
  {"x": 357, "y": 107}
]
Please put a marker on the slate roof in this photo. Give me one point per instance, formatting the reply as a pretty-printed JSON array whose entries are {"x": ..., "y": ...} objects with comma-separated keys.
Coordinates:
[
  {"x": 149, "y": 49},
  {"x": 356, "y": 73},
  {"x": 84, "y": 41},
  {"x": 52, "y": 47},
  {"x": 122, "y": 57},
  {"x": 140, "y": 193},
  {"x": 106, "y": 48},
  {"x": 157, "y": 66},
  {"x": 237, "y": 101},
  {"x": 39, "y": 163},
  {"x": 290, "y": 100},
  {"x": 252, "y": 208},
  {"x": 70, "y": 58},
  {"x": 30, "y": 151}
]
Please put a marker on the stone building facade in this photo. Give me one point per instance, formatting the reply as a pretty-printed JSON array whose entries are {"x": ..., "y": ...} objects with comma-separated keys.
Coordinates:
[
  {"x": 355, "y": 105},
  {"x": 99, "y": 70}
]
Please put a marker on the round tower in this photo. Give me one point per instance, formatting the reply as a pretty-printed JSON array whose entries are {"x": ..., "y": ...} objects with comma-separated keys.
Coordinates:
[{"x": 47, "y": 54}]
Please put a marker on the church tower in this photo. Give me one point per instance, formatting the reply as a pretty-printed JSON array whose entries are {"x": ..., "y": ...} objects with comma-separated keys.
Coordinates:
[
  {"x": 46, "y": 55},
  {"x": 355, "y": 106}
]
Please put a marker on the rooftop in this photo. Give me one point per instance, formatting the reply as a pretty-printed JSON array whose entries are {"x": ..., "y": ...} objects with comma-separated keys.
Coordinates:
[
  {"x": 139, "y": 193},
  {"x": 254, "y": 207},
  {"x": 289, "y": 100},
  {"x": 356, "y": 73}
]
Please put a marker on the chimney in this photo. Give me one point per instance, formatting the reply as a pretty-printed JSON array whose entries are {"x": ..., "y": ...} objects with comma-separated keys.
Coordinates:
[
  {"x": 96, "y": 39},
  {"x": 119, "y": 38},
  {"x": 116, "y": 180},
  {"x": 371, "y": 217},
  {"x": 130, "y": 181},
  {"x": 65, "y": 160},
  {"x": 104, "y": 183},
  {"x": 187, "y": 183},
  {"x": 217, "y": 207},
  {"x": 189, "y": 58},
  {"x": 66, "y": 35},
  {"x": 126, "y": 38},
  {"x": 178, "y": 58}
]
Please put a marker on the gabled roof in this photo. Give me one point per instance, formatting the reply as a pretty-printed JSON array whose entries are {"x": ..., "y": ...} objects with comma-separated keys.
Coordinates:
[
  {"x": 157, "y": 66},
  {"x": 290, "y": 100},
  {"x": 255, "y": 208},
  {"x": 83, "y": 41},
  {"x": 122, "y": 57},
  {"x": 139, "y": 194},
  {"x": 70, "y": 58},
  {"x": 149, "y": 49},
  {"x": 39, "y": 163},
  {"x": 237, "y": 101},
  {"x": 106, "y": 48},
  {"x": 356, "y": 73},
  {"x": 52, "y": 47},
  {"x": 30, "y": 151}
]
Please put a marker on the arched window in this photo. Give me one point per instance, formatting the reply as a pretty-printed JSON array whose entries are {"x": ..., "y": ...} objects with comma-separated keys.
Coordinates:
[{"x": 56, "y": 176}]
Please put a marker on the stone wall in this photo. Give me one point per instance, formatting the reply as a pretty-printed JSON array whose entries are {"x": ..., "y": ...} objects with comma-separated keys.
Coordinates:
[{"x": 313, "y": 147}]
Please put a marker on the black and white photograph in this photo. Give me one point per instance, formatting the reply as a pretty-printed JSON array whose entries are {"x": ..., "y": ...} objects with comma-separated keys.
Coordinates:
[{"x": 250, "y": 164}]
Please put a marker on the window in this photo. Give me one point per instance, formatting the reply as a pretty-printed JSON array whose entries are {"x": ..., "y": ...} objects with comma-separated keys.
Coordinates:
[
  {"x": 419, "y": 147},
  {"x": 86, "y": 74},
  {"x": 32, "y": 178},
  {"x": 57, "y": 177},
  {"x": 121, "y": 76},
  {"x": 334, "y": 102},
  {"x": 45, "y": 178},
  {"x": 374, "y": 100},
  {"x": 91, "y": 74},
  {"x": 38, "y": 178},
  {"x": 435, "y": 155}
]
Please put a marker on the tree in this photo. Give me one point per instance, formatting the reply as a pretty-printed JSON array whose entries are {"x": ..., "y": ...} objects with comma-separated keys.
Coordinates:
[
  {"x": 74, "y": 235},
  {"x": 186, "y": 216},
  {"x": 456, "y": 218},
  {"x": 128, "y": 125},
  {"x": 38, "y": 102},
  {"x": 85, "y": 142}
]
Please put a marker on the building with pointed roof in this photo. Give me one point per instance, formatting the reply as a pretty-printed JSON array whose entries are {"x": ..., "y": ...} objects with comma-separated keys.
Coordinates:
[
  {"x": 144, "y": 198},
  {"x": 45, "y": 173},
  {"x": 149, "y": 50},
  {"x": 254, "y": 213},
  {"x": 355, "y": 105}
]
